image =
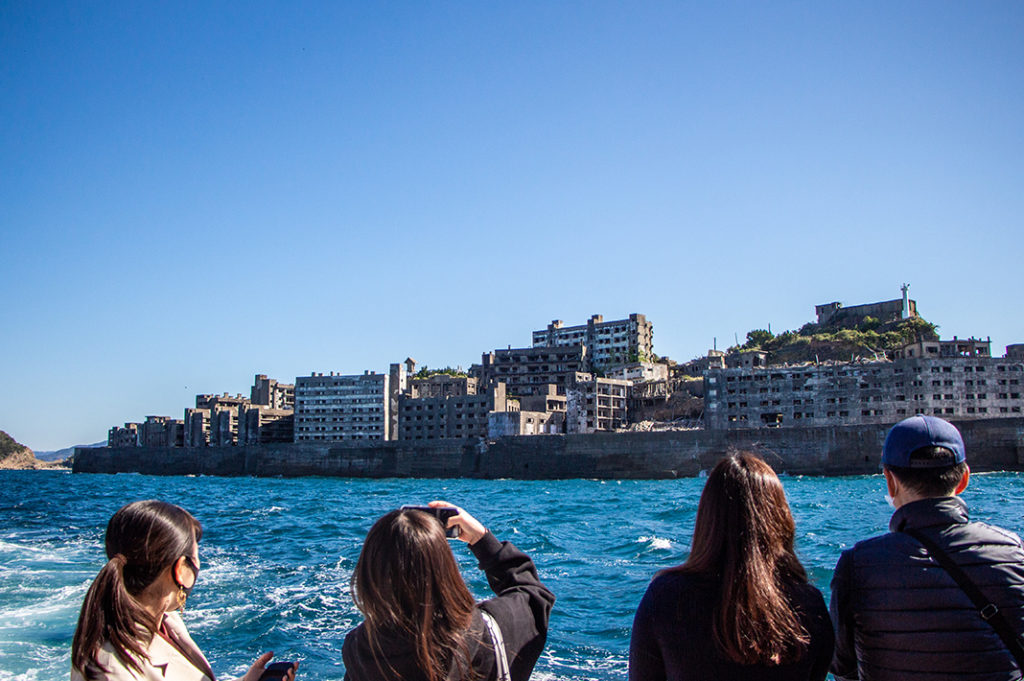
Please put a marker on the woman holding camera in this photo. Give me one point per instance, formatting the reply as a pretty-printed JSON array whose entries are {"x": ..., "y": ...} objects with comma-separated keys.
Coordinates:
[
  {"x": 740, "y": 607},
  {"x": 127, "y": 629},
  {"x": 420, "y": 620}
]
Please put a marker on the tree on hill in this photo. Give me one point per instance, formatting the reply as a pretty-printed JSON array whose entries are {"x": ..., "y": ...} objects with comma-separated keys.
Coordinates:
[
  {"x": 757, "y": 338},
  {"x": 870, "y": 338},
  {"x": 426, "y": 372},
  {"x": 9, "y": 446}
]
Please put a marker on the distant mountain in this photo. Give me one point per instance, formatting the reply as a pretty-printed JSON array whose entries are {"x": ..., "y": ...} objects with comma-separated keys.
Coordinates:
[{"x": 61, "y": 454}]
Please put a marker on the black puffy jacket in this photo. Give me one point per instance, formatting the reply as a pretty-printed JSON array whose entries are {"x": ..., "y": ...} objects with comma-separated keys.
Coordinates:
[{"x": 899, "y": 615}]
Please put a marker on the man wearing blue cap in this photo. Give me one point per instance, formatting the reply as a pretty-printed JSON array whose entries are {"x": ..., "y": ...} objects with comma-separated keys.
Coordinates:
[{"x": 938, "y": 597}]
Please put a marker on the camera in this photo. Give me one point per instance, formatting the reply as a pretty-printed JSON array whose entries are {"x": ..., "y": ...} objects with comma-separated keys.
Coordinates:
[{"x": 442, "y": 513}]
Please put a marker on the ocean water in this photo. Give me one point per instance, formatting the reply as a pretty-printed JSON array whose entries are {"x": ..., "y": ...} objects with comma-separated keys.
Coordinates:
[{"x": 277, "y": 555}]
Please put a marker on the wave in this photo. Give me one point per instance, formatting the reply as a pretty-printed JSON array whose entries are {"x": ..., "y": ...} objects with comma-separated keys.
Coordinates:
[{"x": 656, "y": 543}]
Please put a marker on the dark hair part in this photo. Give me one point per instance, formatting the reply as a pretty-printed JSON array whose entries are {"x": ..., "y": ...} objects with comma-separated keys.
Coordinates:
[
  {"x": 935, "y": 481},
  {"x": 407, "y": 582},
  {"x": 744, "y": 537},
  {"x": 143, "y": 539}
]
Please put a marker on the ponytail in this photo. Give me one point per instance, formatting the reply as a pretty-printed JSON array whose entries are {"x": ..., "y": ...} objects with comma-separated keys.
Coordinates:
[
  {"x": 143, "y": 539},
  {"x": 109, "y": 613}
]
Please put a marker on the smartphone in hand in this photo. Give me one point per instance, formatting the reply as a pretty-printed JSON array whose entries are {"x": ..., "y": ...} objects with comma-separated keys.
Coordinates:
[
  {"x": 276, "y": 671},
  {"x": 442, "y": 513}
]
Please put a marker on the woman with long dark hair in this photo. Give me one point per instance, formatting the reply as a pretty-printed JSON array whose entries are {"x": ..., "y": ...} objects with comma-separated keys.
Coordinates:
[
  {"x": 127, "y": 629},
  {"x": 740, "y": 606},
  {"x": 421, "y": 623}
]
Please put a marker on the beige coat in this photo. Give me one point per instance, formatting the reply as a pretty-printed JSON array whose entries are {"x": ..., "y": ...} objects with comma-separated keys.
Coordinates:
[{"x": 166, "y": 663}]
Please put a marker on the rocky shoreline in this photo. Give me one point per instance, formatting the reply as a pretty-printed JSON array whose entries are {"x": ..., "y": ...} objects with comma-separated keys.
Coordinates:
[{"x": 15, "y": 456}]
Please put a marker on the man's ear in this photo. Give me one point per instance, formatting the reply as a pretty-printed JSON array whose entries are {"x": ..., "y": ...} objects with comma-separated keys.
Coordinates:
[
  {"x": 891, "y": 483},
  {"x": 964, "y": 480}
]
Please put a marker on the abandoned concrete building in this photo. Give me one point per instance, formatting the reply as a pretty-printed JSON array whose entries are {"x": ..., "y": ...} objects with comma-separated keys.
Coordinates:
[
  {"x": 260, "y": 424},
  {"x": 528, "y": 371},
  {"x": 270, "y": 393},
  {"x": 123, "y": 436},
  {"x": 959, "y": 386},
  {"x": 887, "y": 311},
  {"x": 222, "y": 420},
  {"x": 970, "y": 347},
  {"x": 715, "y": 359},
  {"x": 608, "y": 344},
  {"x": 639, "y": 372},
  {"x": 161, "y": 431},
  {"x": 442, "y": 385},
  {"x": 512, "y": 423},
  {"x": 594, "y": 404},
  {"x": 450, "y": 416},
  {"x": 746, "y": 359},
  {"x": 338, "y": 407}
]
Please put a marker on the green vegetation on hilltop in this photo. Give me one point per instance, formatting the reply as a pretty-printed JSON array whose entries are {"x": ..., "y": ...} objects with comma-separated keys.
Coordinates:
[
  {"x": 426, "y": 372},
  {"x": 812, "y": 342},
  {"x": 9, "y": 446}
]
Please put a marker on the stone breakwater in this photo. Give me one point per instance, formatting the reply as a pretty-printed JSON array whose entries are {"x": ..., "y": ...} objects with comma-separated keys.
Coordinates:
[{"x": 992, "y": 444}]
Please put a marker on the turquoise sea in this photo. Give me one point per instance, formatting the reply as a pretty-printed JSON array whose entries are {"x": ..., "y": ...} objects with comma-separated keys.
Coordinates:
[{"x": 277, "y": 555}]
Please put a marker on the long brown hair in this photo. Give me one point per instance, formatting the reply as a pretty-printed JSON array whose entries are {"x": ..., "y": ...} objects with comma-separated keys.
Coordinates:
[
  {"x": 407, "y": 582},
  {"x": 143, "y": 539},
  {"x": 743, "y": 537}
]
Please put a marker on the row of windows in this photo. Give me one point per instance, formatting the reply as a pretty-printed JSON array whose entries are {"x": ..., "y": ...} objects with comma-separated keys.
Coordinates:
[
  {"x": 775, "y": 417},
  {"x": 835, "y": 373},
  {"x": 898, "y": 398}
]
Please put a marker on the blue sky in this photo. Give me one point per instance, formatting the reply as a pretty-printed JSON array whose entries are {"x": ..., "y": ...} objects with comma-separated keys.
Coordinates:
[{"x": 192, "y": 193}]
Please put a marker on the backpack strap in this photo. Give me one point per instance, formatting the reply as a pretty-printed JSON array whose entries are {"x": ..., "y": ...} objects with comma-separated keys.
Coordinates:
[
  {"x": 986, "y": 608},
  {"x": 501, "y": 659}
]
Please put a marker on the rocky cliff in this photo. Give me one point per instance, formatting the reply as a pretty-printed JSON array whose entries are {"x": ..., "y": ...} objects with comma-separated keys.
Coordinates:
[{"x": 16, "y": 456}]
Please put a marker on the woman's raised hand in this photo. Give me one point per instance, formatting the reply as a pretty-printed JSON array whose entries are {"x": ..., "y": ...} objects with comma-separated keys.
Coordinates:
[
  {"x": 470, "y": 529},
  {"x": 260, "y": 665}
]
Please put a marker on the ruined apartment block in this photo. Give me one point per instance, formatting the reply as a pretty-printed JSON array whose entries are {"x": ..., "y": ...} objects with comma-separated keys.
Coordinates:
[
  {"x": 450, "y": 416},
  {"x": 639, "y": 372},
  {"x": 970, "y": 347},
  {"x": 528, "y": 371},
  {"x": 959, "y": 387},
  {"x": 442, "y": 385},
  {"x": 608, "y": 344},
  {"x": 596, "y": 404},
  {"x": 214, "y": 421},
  {"x": 161, "y": 431},
  {"x": 336, "y": 407},
  {"x": 513, "y": 423},
  {"x": 270, "y": 393},
  {"x": 260, "y": 424},
  {"x": 127, "y": 436}
]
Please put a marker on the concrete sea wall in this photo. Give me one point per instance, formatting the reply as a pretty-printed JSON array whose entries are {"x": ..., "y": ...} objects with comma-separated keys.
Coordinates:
[{"x": 992, "y": 444}]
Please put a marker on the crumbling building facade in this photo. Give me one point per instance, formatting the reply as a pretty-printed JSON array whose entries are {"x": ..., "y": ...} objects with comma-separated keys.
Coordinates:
[
  {"x": 337, "y": 407},
  {"x": 957, "y": 387},
  {"x": 608, "y": 344}
]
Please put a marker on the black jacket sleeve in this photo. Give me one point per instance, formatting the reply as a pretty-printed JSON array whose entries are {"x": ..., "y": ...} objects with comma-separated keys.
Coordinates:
[
  {"x": 844, "y": 660},
  {"x": 522, "y": 605}
]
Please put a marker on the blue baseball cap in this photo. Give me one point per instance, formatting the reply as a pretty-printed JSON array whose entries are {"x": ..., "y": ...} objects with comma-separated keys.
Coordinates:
[{"x": 919, "y": 431}]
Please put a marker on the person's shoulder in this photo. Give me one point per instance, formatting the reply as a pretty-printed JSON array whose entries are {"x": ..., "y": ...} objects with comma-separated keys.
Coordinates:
[
  {"x": 110, "y": 666},
  {"x": 871, "y": 546},
  {"x": 996, "y": 532},
  {"x": 675, "y": 582},
  {"x": 355, "y": 636}
]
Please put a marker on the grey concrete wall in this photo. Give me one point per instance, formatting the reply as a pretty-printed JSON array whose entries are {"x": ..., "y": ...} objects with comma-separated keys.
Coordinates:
[{"x": 992, "y": 444}]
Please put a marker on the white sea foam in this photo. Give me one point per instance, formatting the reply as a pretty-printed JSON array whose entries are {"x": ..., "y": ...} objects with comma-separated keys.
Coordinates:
[{"x": 656, "y": 543}]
